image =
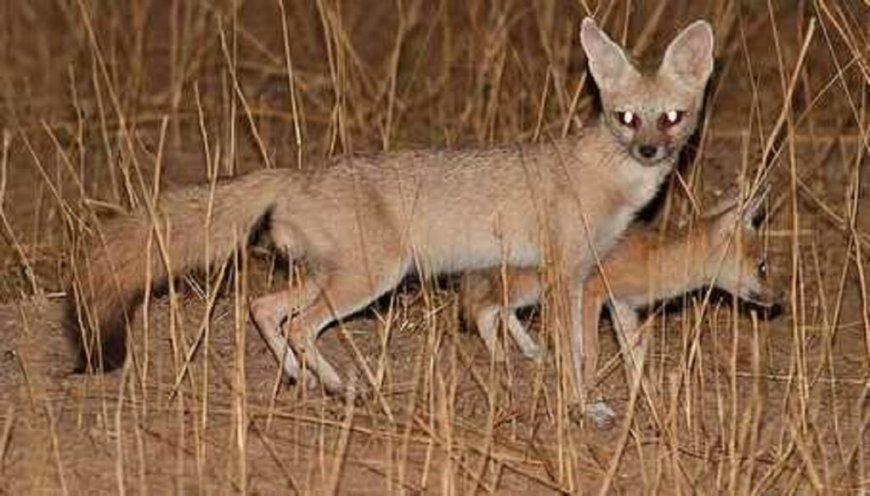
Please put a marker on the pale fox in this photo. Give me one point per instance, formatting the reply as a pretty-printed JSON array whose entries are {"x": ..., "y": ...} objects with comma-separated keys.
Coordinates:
[
  {"x": 360, "y": 224},
  {"x": 641, "y": 270}
]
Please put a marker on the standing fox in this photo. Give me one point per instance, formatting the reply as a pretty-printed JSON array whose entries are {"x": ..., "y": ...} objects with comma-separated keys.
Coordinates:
[
  {"x": 362, "y": 223},
  {"x": 639, "y": 271}
]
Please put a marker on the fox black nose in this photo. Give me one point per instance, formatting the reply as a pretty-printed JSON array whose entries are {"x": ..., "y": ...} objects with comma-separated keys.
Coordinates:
[
  {"x": 773, "y": 311},
  {"x": 647, "y": 151}
]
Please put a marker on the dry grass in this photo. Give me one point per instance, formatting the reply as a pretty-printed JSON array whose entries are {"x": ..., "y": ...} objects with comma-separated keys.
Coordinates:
[{"x": 106, "y": 103}]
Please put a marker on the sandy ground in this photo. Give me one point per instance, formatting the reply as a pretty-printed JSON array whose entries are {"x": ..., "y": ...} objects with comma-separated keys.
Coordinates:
[{"x": 730, "y": 407}]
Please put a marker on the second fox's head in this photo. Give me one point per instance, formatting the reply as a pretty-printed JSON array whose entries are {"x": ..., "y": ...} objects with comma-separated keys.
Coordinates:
[{"x": 651, "y": 115}]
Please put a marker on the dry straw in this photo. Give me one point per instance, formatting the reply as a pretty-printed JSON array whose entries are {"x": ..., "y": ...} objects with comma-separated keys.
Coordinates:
[{"x": 106, "y": 104}]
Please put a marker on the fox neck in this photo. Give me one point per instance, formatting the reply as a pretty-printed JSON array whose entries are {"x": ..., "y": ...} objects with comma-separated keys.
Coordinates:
[
  {"x": 640, "y": 181},
  {"x": 684, "y": 264}
]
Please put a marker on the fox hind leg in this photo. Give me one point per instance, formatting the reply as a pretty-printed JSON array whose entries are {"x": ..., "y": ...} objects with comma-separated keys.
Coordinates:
[
  {"x": 528, "y": 347},
  {"x": 269, "y": 312},
  {"x": 487, "y": 327},
  {"x": 633, "y": 343},
  {"x": 346, "y": 290}
]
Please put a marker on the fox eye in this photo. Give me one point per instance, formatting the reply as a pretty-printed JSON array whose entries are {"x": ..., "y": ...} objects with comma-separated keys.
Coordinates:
[
  {"x": 762, "y": 269},
  {"x": 628, "y": 119},
  {"x": 670, "y": 118}
]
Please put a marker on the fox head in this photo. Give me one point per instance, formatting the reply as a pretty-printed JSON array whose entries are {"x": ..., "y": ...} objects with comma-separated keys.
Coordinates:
[
  {"x": 652, "y": 116},
  {"x": 739, "y": 263}
]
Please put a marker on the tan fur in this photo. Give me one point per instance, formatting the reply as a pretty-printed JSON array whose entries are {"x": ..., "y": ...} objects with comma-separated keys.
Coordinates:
[
  {"x": 641, "y": 270},
  {"x": 361, "y": 223}
]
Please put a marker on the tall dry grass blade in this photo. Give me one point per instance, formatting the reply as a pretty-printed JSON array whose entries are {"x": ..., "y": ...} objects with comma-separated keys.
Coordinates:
[
  {"x": 7, "y": 226},
  {"x": 343, "y": 439},
  {"x": 291, "y": 85},
  {"x": 237, "y": 90}
]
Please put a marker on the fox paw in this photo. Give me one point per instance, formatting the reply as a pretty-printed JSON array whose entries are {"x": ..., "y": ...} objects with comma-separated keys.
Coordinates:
[
  {"x": 601, "y": 415},
  {"x": 497, "y": 354},
  {"x": 309, "y": 380},
  {"x": 598, "y": 413},
  {"x": 305, "y": 379},
  {"x": 356, "y": 392},
  {"x": 537, "y": 354}
]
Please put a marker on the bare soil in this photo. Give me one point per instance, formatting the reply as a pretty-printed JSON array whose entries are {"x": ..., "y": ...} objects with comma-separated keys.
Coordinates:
[{"x": 734, "y": 403}]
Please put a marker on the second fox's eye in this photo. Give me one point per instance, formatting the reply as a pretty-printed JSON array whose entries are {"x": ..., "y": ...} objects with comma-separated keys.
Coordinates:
[
  {"x": 628, "y": 118},
  {"x": 762, "y": 269},
  {"x": 670, "y": 118}
]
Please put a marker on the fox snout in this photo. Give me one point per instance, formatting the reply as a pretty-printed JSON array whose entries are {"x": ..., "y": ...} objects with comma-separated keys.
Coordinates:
[
  {"x": 767, "y": 302},
  {"x": 649, "y": 154}
]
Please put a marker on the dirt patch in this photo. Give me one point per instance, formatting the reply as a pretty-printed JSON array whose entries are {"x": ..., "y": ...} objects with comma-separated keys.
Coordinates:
[{"x": 95, "y": 93}]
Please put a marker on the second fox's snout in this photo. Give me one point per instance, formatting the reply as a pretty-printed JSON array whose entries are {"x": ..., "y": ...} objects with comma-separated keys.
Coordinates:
[
  {"x": 768, "y": 302},
  {"x": 767, "y": 309}
]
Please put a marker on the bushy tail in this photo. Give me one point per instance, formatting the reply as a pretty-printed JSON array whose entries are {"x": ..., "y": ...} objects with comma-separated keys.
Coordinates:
[{"x": 110, "y": 280}]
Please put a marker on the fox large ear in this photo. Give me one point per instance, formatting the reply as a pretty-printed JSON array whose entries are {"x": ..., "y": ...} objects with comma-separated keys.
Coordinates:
[
  {"x": 753, "y": 212},
  {"x": 722, "y": 207},
  {"x": 689, "y": 57},
  {"x": 726, "y": 211},
  {"x": 607, "y": 61}
]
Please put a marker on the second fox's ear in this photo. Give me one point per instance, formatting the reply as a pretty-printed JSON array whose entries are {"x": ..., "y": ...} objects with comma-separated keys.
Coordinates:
[
  {"x": 607, "y": 61},
  {"x": 754, "y": 213},
  {"x": 689, "y": 57}
]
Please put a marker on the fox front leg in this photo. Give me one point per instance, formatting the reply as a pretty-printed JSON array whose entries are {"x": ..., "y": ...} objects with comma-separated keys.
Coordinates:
[{"x": 633, "y": 342}]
